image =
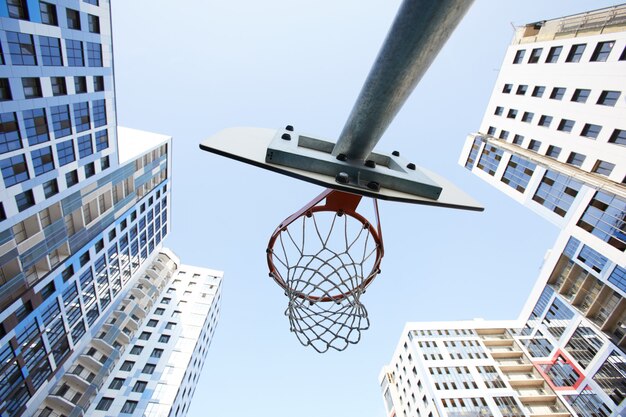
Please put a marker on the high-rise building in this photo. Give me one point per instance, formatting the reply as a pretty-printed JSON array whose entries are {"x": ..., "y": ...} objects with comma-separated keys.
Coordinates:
[
  {"x": 554, "y": 139},
  {"x": 84, "y": 208}
]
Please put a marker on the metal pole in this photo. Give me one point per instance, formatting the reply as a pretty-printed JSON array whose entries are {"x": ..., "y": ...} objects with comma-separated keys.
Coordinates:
[{"x": 418, "y": 33}]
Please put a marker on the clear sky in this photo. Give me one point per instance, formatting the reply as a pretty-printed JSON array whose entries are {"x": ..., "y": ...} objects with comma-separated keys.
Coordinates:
[{"x": 189, "y": 69}]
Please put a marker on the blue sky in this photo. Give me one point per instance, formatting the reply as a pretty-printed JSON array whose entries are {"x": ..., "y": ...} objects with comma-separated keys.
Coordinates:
[{"x": 191, "y": 69}]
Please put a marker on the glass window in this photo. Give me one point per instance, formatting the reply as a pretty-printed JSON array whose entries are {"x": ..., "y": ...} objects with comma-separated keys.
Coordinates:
[
  {"x": 611, "y": 377},
  {"x": 104, "y": 404},
  {"x": 32, "y": 88},
  {"x": 603, "y": 218},
  {"x": 534, "y": 145},
  {"x": 42, "y": 160},
  {"x": 50, "y": 51},
  {"x": 98, "y": 83},
  {"x": 507, "y": 88},
  {"x": 74, "y": 51},
  {"x": 608, "y": 98},
  {"x": 21, "y": 48},
  {"x": 80, "y": 84},
  {"x": 164, "y": 338},
  {"x": 519, "y": 56},
  {"x": 618, "y": 137},
  {"x": 534, "y": 55},
  {"x": 603, "y": 168},
  {"x": 490, "y": 159},
  {"x": 58, "y": 86},
  {"x": 94, "y": 23},
  {"x": 129, "y": 407},
  {"x": 61, "y": 121},
  {"x": 36, "y": 126},
  {"x": 557, "y": 93},
  {"x": 136, "y": 350},
  {"x": 90, "y": 170},
  {"x": 602, "y": 51},
  {"x": 85, "y": 147},
  {"x": 65, "y": 152},
  {"x": 117, "y": 383},
  {"x": 566, "y": 125},
  {"x": 553, "y": 54},
  {"x": 518, "y": 139},
  {"x": 576, "y": 159},
  {"x": 575, "y": 53},
  {"x": 81, "y": 116},
  {"x": 99, "y": 113},
  {"x": 580, "y": 95},
  {"x": 145, "y": 335},
  {"x": 591, "y": 131},
  {"x": 73, "y": 19},
  {"x": 156, "y": 353},
  {"x": 557, "y": 192},
  {"x": 518, "y": 173},
  {"x": 17, "y": 9},
  {"x": 140, "y": 386},
  {"x": 498, "y": 111},
  {"x": 10, "y": 139},
  {"x": 14, "y": 170},
  {"x": 521, "y": 89},
  {"x": 71, "y": 178},
  {"x": 149, "y": 369},
  {"x": 5, "y": 90},
  {"x": 127, "y": 366},
  {"x": 491, "y": 130},
  {"x": 553, "y": 151},
  {"x": 25, "y": 200},
  {"x": 94, "y": 54},
  {"x": 504, "y": 134},
  {"x": 102, "y": 140},
  {"x": 538, "y": 91},
  {"x": 545, "y": 121},
  {"x": 512, "y": 114},
  {"x": 48, "y": 13},
  {"x": 528, "y": 117},
  {"x": 50, "y": 188}
]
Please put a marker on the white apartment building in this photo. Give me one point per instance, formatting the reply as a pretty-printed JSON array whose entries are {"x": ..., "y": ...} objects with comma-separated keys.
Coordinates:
[{"x": 554, "y": 139}]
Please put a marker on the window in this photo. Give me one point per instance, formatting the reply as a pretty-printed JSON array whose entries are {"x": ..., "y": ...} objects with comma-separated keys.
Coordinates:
[
  {"x": 553, "y": 151},
  {"x": 10, "y": 139},
  {"x": 152, "y": 323},
  {"x": 50, "y": 188},
  {"x": 36, "y": 126},
  {"x": 90, "y": 170},
  {"x": 71, "y": 178},
  {"x": 42, "y": 160},
  {"x": 117, "y": 383},
  {"x": 507, "y": 88},
  {"x": 98, "y": 83},
  {"x": 104, "y": 163},
  {"x": 85, "y": 148},
  {"x": 94, "y": 54},
  {"x": 575, "y": 52},
  {"x": 50, "y": 51},
  {"x": 618, "y": 137},
  {"x": 102, "y": 140},
  {"x": 73, "y": 19},
  {"x": 545, "y": 121},
  {"x": 48, "y": 13},
  {"x": 557, "y": 93},
  {"x": 99, "y": 113},
  {"x": 528, "y": 117},
  {"x": 557, "y": 192},
  {"x": 80, "y": 85},
  {"x": 145, "y": 335},
  {"x": 136, "y": 350},
  {"x": 512, "y": 114},
  {"x": 156, "y": 353},
  {"x": 580, "y": 95},
  {"x": 32, "y": 88},
  {"x": 129, "y": 407},
  {"x": 94, "y": 2},
  {"x": 5, "y": 90},
  {"x": 58, "y": 86},
  {"x": 65, "y": 152},
  {"x": 603, "y": 219},
  {"x": 81, "y": 116},
  {"x": 603, "y": 168},
  {"x": 538, "y": 91},
  {"x": 127, "y": 366},
  {"x": 104, "y": 404},
  {"x": 140, "y": 386},
  {"x": 94, "y": 23},
  {"x": 518, "y": 139},
  {"x": 170, "y": 325},
  {"x": 21, "y": 48},
  {"x": 534, "y": 145},
  {"x": 17, "y": 9},
  {"x": 491, "y": 130},
  {"x": 84, "y": 258},
  {"x": 519, "y": 56},
  {"x": 25, "y": 200},
  {"x": 521, "y": 89},
  {"x": 553, "y": 54},
  {"x": 608, "y": 98},
  {"x": 166, "y": 300},
  {"x": 74, "y": 51},
  {"x": 566, "y": 125},
  {"x": 149, "y": 369},
  {"x": 159, "y": 311},
  {"x": 164, "y": 338},
  {"x": 576, "y": 159},
  {"x": 498, "y": 111},
  {"x": 602, "y": 51},
  {"x": 504, "y": 134},
  {"x": 534, "y": 55},
  {"x": 591, "y": 131},
  {"x": 14, "y": 170},
  {"x": 61, "y": 121}
]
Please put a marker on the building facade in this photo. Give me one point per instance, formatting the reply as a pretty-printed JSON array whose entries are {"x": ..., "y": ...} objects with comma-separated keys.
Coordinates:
[
  {"x": 554, "y": 139},
  {"x": 84, "y": 208}
]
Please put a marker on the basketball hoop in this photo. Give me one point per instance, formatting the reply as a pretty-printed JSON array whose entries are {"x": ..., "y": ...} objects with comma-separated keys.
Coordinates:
[{"x": 324, "y": 257}]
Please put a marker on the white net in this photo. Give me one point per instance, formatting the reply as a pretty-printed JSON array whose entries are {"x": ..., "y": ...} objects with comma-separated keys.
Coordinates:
[{"x": 325, "y": 260}]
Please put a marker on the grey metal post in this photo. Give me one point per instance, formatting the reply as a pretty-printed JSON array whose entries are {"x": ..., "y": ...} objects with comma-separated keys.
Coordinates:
[{"x": 418, "y": 33}]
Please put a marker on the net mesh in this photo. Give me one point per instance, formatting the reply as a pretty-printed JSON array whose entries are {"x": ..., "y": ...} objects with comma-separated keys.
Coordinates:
[{"x": 326, "y": 259}]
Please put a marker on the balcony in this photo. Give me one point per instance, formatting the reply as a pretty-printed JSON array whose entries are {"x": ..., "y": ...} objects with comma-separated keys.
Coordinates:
[
  {"x": 90, "y": 362},
  {"x": 516, "y": 367}
]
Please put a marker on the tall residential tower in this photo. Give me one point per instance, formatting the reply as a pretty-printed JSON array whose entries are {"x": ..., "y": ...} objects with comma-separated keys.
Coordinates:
[{"x": 554, "y": 139}]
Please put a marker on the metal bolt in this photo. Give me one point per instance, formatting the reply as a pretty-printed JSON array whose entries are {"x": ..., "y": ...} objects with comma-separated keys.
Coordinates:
[
  {"x": 373, "y": 185},
  {"x": 286, "y": 136},
  {"x": 342, "y": 178},
  {"x": 342, "y": 157},
  {"x": 370, "y": 163},
  {"x": 395, "y": 153},
  {"x": 411, "y": 166},
  {"x": 289, "y": 128}
]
